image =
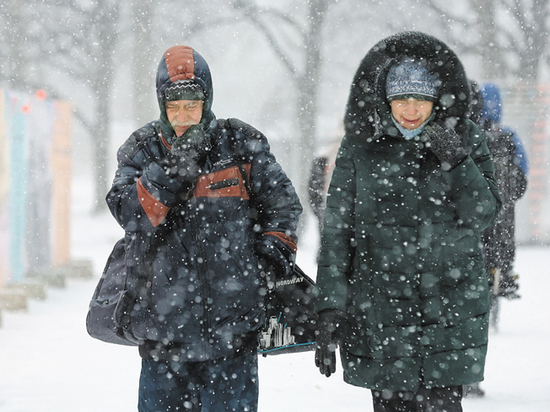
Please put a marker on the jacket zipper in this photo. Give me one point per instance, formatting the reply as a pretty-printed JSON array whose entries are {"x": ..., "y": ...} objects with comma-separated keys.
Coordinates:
[{"x": 202, "y": 274}]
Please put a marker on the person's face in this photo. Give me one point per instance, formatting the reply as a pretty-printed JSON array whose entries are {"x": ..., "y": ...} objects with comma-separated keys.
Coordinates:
[
  {"x": 411, "y": 113},
  {"x": 183, "y": 113}
]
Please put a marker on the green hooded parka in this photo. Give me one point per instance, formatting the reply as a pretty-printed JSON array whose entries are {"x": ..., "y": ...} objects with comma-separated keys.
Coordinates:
[{"x": 400, "y": 251}]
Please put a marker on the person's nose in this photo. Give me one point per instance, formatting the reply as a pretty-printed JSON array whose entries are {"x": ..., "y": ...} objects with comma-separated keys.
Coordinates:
[
  {"x": 411, "y": 109},
  {"x": 181, "y": 115}
]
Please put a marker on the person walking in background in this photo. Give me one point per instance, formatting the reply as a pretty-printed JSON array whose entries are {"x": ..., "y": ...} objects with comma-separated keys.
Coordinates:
[
  {"x": 510, "y": 161},
  {"x": 319, "y": 178},
  {"x": 206, "y": 209},
  {"x": 401, "y": 278},
  {"x": 511, "y": 169}
]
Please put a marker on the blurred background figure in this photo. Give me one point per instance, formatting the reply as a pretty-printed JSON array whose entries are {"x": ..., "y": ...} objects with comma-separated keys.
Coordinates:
[
  {"x": 510, "y": 161},
  {"x": 320, "y": 175},
  {"x": 511, "y": 169}
]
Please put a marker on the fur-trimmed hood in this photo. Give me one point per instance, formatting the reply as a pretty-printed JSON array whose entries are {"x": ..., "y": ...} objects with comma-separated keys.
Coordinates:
[{"x": 368, "y": 114}]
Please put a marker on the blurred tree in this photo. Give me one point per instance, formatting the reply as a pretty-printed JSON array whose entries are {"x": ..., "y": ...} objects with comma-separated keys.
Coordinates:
[
  {"x": 142, "y": 25},
  {"x": 70, "y": 49},
  {"x": 509, "y": 36},
  {"x": 297, "y": 44},
  {"x": 15, "y": 22},
  {"x": 74, "y": 42}
]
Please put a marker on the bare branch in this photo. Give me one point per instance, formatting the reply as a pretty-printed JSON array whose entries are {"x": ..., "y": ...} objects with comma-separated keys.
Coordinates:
[
  {"x": 444, "y": 14},
  {"x": 251, "y": 12},
  {"x": 284, "y": 17}
]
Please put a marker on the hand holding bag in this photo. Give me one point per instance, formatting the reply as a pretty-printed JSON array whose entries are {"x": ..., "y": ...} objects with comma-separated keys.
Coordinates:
[{"x": 290, "y": 319}]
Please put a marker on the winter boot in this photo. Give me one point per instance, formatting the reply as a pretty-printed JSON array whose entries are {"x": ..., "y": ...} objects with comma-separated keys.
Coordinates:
[{"x": 473, "y": 391}]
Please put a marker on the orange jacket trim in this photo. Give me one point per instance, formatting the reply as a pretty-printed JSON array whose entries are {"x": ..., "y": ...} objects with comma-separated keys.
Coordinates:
[
  {"x": 291, "y": 243},
  {"x": 155, "y": 211}
]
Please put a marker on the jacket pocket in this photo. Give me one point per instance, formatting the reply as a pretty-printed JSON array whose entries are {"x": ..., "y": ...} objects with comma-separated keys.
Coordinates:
[
  {"x": 461, "y": 260},
  {"x": 229, "y": 182}
]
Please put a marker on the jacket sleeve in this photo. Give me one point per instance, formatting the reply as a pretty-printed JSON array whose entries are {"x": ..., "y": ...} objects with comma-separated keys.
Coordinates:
[
  {"x": 473, "y": 186},
  {"x": 274, "y": 202},
  {"x": 142, "y": 193},
  {"x": 337, "y": 240}
]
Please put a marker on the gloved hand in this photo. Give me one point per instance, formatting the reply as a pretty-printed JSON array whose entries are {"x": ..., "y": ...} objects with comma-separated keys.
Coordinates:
[
  {"x": 182, "y": 163},
  {"x": 193, "y": 143},
  {"x": 329, "y": 333},
  {"x": 181, "y": 167},
  {"x": 277, "y": 255},
  {"x": 446, "y": 144}
]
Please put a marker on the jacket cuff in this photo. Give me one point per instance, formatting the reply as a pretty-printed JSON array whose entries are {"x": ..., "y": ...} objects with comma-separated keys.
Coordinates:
[{"x": 154, "y": 209}]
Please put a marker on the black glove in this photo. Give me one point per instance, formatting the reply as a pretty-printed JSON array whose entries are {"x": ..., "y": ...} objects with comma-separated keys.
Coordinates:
[
  {"x": 275, "y": 253},
  {"x": 182, "y": 163},
  {"x": 181, "y": 167},
  {"x": 329, "y": 333},
  {"x": 446, "y": 144},
  {"x": 194, "y": 143}
]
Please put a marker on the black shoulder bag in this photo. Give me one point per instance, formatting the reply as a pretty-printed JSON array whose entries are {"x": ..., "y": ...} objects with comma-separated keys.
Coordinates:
[{"x": 111, "y": 303}]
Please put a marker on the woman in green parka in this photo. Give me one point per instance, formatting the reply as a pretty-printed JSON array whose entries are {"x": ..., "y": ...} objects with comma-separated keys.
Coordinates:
[{"x": 402, "y": 286}]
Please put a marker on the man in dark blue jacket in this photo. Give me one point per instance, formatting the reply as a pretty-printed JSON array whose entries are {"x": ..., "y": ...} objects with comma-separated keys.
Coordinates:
[{"x": 207, "y": 211}]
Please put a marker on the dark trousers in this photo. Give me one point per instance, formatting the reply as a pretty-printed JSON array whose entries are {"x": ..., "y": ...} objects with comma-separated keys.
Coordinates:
[
  {"x": 446, "y": 399},
  {"x": 222, "y": 385}
]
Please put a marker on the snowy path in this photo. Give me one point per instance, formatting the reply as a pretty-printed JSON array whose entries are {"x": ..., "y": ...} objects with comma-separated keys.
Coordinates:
[{"x": 49, "y": 364}]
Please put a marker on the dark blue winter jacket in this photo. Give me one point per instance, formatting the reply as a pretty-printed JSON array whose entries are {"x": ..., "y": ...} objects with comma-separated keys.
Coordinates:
[{"x": 204, "y": 293}]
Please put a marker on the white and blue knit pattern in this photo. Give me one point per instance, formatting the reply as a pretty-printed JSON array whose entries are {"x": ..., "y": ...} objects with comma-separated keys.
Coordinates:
[{"x": 410, "y": 78}]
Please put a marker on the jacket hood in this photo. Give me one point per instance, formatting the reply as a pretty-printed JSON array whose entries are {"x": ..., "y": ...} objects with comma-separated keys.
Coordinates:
[
  {"x": 368, "y": 110},
  {"x": 492, "y": 107},
  {"x": 183, "y": 63}
]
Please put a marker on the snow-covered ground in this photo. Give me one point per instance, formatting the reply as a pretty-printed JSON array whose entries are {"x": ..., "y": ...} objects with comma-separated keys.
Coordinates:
[{"x": 48, "y": 363}]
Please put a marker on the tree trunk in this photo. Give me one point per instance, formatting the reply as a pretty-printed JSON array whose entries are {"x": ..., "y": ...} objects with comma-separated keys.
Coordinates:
[
  {"x": 15, "y": 32},
  {"x": 536, "y": 36},
  {"x": 143, "y": 77},
  {"x": 107, "y": 36},
  {"x": 492, "y": 64},
  {"x": 101, "y": 140},
  {"x": 308, "y": 86}
]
